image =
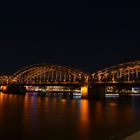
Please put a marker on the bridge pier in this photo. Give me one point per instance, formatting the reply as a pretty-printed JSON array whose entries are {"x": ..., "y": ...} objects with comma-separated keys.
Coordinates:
[
  {"x": 92, "y": 92},
  {"x": 84, "y": 91},
  {"x": 14, "y": 89},
  {"x": 96, "y": 92},
  {"x": 3, "y": 88}
]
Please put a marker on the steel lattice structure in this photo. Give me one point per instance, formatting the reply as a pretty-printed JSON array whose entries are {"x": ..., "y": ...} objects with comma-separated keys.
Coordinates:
[
  {"x": 4, "y": 78},
  {"x": 125, "y": 73},
  {"x": 48, "y": 73}
]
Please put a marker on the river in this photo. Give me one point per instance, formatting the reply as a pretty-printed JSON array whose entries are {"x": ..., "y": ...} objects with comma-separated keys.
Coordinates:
[{"x": 54, "y": 118}]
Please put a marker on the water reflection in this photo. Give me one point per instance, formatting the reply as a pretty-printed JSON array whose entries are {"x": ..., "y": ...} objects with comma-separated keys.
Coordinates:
[
  {"x": 34, "y": 117},
  {"x": 84, "y": 118},
  {"x": 2, "y": 98},
  {"x": 99, "y": 112}
]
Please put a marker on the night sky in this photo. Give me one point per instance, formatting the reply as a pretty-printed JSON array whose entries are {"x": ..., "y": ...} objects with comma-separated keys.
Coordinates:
[{"x": 84, "y": 35}]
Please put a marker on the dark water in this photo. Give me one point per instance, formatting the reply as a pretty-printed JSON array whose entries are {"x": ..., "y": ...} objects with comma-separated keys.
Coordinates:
[{"x": 39, "y": 118}]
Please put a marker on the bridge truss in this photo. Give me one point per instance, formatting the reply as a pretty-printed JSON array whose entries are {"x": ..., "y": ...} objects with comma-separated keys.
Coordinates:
[
  {"x": 56, "y": 74},
  {"x": 47, "y": 73},
  {"x": 4, "y": 78},
  {"x": 122, "y": 73}
]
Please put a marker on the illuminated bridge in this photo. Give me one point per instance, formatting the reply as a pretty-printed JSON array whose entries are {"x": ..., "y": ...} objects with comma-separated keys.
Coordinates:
[
  {"x": 122, "y": 73},
  {"x": 56, "y": 74},
  {"x": 49, "y": 75}
]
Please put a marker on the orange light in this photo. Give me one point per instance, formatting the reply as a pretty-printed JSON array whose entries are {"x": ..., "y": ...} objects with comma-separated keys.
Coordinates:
[
  {"x": 84, "y": 91},
  {"x": 4, "y": 88}
]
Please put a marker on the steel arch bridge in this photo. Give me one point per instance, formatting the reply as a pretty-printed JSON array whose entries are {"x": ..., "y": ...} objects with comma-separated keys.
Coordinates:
[
  {"x": 48, "y": 74},
  {"x": 123, "y": 73}
]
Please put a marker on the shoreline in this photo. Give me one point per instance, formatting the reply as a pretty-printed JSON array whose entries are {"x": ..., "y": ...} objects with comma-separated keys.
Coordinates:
[{"x": 134, "y": 136}]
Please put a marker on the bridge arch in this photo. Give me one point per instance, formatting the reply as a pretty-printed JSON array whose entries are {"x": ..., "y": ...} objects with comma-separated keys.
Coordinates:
[
  {"x": 125, "y": 73},
  {"x": 42, "y": 73}
]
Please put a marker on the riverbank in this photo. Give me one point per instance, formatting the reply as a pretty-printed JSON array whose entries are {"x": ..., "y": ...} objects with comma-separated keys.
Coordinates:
[{"x": 135, "y": 136}]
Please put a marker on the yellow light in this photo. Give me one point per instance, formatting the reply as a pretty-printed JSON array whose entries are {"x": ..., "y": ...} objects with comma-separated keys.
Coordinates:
[{"x": 84, "y": 91}]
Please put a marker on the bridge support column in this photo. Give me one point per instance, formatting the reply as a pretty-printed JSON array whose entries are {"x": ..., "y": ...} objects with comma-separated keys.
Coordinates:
[
  {"x": 84, "y": 91},
  {"x": 96, "y": 92}
]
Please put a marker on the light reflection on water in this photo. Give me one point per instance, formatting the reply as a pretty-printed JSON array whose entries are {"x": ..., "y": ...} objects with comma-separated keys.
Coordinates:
[{"x": 35, "y": 117}]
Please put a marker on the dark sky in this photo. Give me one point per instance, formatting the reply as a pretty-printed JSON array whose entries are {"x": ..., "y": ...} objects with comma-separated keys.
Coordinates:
[{"x": 85, "y": 35}]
